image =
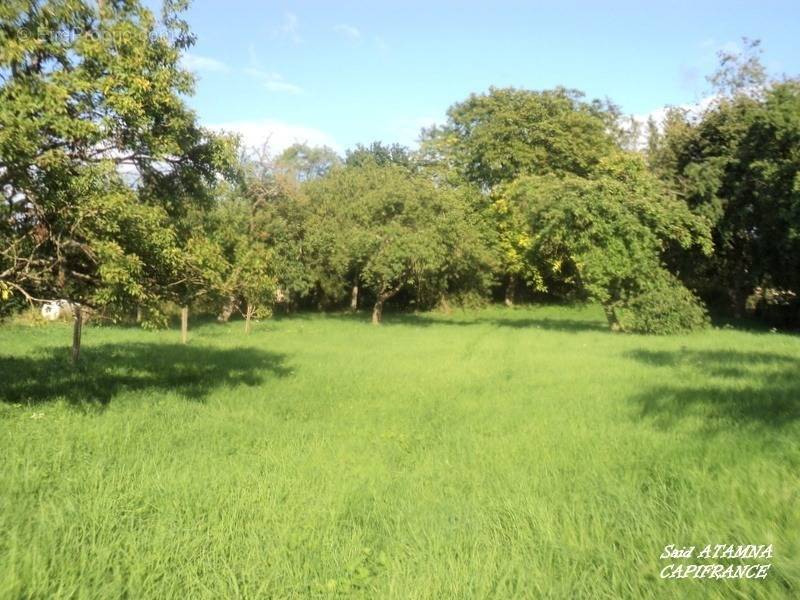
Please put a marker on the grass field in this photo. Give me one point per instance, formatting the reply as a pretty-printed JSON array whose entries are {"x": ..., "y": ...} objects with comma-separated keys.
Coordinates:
[{"x": 489, "y": 454}]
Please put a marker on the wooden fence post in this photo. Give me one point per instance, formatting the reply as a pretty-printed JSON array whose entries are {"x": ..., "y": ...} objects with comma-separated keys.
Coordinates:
[
  {"x": 184, "y": 324},
  {"x": 247, "y": 316},
  {"x": 77, "y": 316}
]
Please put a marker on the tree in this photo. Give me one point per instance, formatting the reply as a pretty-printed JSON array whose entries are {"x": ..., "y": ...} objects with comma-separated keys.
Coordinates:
[
  {"x": 769, "y": 187},
  {"x": 514, "y": 243},
  {"x": 737, "y": 165},
  {"x": 88, "y": 102},
  {"x": 304, "y": 163},
  {"x": 494, "y": 138},
  {"x": 740, "y": 72},
  {"x": 390, "y": 230},
  {"x": 338, "y": 245},
  {"x": 380, "y": 154},
  {"x": 605, "y": 235},
  {"x": 279, "y": 209},
  {"x": 248, "y": 284}
]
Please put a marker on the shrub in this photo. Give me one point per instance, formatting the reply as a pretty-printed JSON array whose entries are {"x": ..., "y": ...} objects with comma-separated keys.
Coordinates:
[{"x": 665, "y": 306}]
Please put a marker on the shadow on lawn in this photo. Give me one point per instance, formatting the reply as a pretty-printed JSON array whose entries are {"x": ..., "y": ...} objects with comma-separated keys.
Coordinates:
[
  {"x": 743, "y": 387},
  {"x": 568, "y": 325},
  {"x": 109, "y": 369},
  {"x": 425, "y": 320}
]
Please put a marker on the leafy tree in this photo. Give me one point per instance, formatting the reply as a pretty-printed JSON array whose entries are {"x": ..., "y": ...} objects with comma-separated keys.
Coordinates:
[
  {"x": 279, "y": 210},
  {"x": 740, "y": 72},
  {"x": 93, "y": 92},
  {"x": 252, "y": 280},
  {"x": 737, "y": 165},
  {"x": 248, "y": 284},
  {"x": 381, "y": 154},
  {"x": 392, "y": 230},
  {"x": 338, "y": 244},
  {"x": 740, "y": 167},
  {"x": 666, "y": 141},
  {"x": 514, "y": 243},
  {"x": 494, "y": 138},
  {"x": 605, "y": 235},
  {"x": 769, "y": 187},
  {"x": 304, "y": 163}
]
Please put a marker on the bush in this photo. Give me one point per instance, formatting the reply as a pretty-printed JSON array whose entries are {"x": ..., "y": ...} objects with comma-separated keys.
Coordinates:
[
  {"x": 664, "y": 307},
  {"x": 467, "y": 300}
]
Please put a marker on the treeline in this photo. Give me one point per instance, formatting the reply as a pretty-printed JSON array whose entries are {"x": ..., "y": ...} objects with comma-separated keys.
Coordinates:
[{"x": 115, "y": 198}]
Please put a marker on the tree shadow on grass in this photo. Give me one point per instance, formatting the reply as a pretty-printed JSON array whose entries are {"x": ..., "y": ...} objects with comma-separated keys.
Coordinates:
[
  {"x": 734, "y": 387},
  {"x": 567, "y": 325},
  {"x": 434, "y": 319},
  {"x": 109, "y": 369}
]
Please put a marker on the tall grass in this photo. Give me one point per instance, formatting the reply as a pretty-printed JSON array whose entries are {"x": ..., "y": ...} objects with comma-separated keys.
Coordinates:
[{"x": 488, "y": 454}]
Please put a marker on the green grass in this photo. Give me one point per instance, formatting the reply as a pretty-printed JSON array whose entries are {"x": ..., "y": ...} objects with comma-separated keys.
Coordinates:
[{"x": 489, "y": 454}]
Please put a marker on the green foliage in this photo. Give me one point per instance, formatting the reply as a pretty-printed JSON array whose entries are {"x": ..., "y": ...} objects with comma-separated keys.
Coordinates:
[
  {"x": 494, "y": 138},
  {"x": 740, "y": 73},
  {"x": 275, "y": 212},
  {"x": 254, "y": 280},
  {"x": 514, "y": 241},
  {"x": 88, "y": 93},
  {"x": 113, "y": 196},
  {"x": 304, "y": 163},
  {"x": 506, "y": 133},
  {"x": 380, "y": 154},
  {"x": 605, "y": 234},
  {"x": 243, "y": 266},
  {"x": 769, "y": 186},
  {"x": 738, "y": 167},
  {"x": 663, "y": 305},
  {"x": 390, "y": 229}
]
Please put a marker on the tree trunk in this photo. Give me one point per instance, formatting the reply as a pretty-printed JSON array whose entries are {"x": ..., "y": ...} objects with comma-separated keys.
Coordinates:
[
  {"x": 510, "y": 290},
  {"x": 354, "y": 298},
  {"x": 611, "y": 317},
  {"x": 377, "y": 311},
  {"x": 248, "y": 315},
  {"x": 227, "y": 310},
  {"x": 383, "y": 296},
  {"x": 738, "y": 298},
  {"x": 138, "y": 314},
  {"x": 740, "y": 289},
  {"x": 77, "y": 316},
  {"x": 184, "y": 324}
]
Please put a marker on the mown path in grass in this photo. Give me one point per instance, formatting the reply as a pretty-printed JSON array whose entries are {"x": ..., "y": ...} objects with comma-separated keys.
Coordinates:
[{"x": 496, "y": 453}]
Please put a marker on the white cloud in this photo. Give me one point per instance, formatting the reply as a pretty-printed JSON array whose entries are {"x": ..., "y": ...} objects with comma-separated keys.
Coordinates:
[
  {"x": 290, "y": 27},
  {"x": 273, "y": 82},
  {"x": 276, "y": 85},
  {"x": 348, "y": 31},
  {"x": 278, "y": 135},
  {"x": 196, "y": 62}
]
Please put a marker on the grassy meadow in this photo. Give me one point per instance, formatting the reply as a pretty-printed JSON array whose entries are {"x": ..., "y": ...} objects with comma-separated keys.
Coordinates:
[{"x": 526, "y": 453}]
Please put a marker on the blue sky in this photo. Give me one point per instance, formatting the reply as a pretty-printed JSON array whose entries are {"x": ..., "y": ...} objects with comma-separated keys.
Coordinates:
[{"x": 347, "y": 72}]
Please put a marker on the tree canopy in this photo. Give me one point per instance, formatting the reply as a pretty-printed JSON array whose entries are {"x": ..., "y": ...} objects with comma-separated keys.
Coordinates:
[
  {"x": 388, "y": 229},
  {"x": 604, "y": 236},
  {"x": 115, "y": 197},
  {"x": 99, "y": 155},
  {"x": 495, "y": 137}
]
